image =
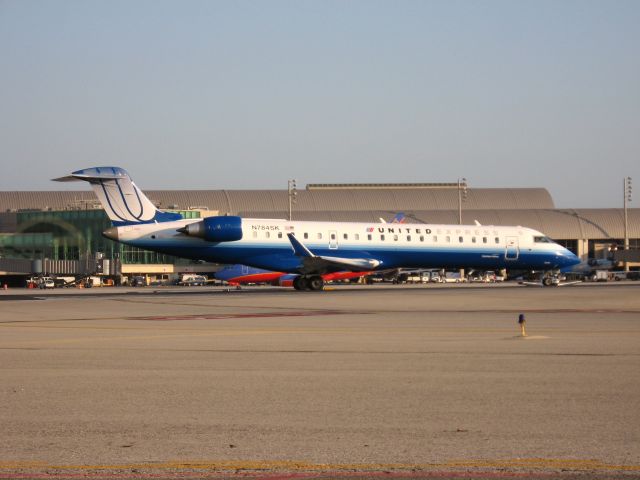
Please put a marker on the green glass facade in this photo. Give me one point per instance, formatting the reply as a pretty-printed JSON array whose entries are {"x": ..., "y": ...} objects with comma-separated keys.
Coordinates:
[{"x": 70, "y": 234}]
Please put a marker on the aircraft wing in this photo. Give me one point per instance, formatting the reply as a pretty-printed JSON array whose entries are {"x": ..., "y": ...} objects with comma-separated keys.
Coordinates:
[{"x": 311, "y": 263}]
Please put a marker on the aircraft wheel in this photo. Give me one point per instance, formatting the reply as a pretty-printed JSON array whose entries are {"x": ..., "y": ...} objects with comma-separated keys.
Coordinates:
[
  {"x": 304, "y": 283},
  {"x": 316, "y": 283},
  {"x": 301, "y": 283},
  {"x": 547, "y": 281}
]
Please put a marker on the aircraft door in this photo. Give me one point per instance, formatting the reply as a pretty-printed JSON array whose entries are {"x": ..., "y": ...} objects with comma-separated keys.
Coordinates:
[
  {"x": 333, "y": 240},
  {"x": 512, "y": 251}
]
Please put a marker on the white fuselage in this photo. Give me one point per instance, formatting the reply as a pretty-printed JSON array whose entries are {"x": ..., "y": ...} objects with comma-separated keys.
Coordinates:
[{"x": 264, "y": 244}]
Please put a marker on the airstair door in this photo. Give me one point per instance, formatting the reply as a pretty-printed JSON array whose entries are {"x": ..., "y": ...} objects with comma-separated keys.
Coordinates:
[{"x": 512, "y": 250}]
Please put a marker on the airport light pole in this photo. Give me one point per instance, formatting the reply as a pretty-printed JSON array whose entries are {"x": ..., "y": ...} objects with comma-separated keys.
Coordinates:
[
  {"x": 292, "y": 193},
  {"x": 627, "y": 199},
  {"x": 462, "y": 196}
]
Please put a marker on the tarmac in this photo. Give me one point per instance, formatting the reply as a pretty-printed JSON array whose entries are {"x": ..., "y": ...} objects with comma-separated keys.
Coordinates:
[{"x": 354, "y": 382}]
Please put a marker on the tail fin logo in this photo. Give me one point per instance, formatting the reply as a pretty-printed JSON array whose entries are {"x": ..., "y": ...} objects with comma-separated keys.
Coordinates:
[
  {"x": 126, "y": 203},
  {"x": 123, "y": 201}
]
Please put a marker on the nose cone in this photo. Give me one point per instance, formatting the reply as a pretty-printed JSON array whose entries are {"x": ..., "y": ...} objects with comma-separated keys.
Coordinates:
[
  {"x": 111, "y": 233},
  {"x": 568, "y": 258},
  {"x": 574, "y": 259}
]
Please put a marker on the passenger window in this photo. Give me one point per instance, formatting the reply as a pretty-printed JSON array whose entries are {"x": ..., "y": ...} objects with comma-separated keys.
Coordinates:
[
  {"x": 306, "y": 235},
  {"x": 435, "y": 239},
  {"x": 345, "y": 236},
  {"x": 395, "y": 238},
  {"x": 497, "y": 240},
  {"x": 460, "y": 239},
  {"x": 255, "y": 234},
  {"x": 333, "y": 236},
  {"x": 279, "y": 234},
  {"x": 421, "y": 238},
  {"x": 319, "y": 236},
  {"x": 448, "y": 239},
  {"x": 484, "y": 239},
  {"x": 369, "y": 237},
  {"x": 267, "y": 234},
  {"x": 473, "y": 239},
  {"x": 408, "y": 238},
  {"x": 382, "y": 237},
  {"x": 357, "y": 235}
]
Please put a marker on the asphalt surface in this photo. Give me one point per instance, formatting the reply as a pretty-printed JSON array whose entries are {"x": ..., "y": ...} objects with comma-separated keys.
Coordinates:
[{"x": 362, "y": 382}]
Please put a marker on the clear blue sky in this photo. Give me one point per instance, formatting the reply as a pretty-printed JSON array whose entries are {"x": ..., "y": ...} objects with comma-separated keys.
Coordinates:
[{"x": 246, "y": 94}]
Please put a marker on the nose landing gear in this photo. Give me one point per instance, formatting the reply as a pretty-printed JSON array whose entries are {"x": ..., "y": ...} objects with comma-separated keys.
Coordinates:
[{"x": 552, "y": 278}]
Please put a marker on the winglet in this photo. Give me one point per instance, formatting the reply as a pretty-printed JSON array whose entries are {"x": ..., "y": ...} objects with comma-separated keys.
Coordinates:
[
  {"x": 298, "y": 248},
  {"x": 399, "y": 218}
]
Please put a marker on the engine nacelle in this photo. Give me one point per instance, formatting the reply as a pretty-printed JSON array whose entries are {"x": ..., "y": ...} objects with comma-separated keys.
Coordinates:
[{"x": 215, "y": 229}]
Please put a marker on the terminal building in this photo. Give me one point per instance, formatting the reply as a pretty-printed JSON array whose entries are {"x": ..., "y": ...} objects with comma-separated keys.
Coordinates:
[{"x": 59, "y": 232}]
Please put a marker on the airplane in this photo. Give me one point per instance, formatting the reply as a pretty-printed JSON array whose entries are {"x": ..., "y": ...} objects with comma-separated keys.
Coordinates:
[
  {"x": 398, "y": 218},
  {"x": 312, "y": 249},
  {"x": 236, "y": 275},
  {"x": 242, "y": 274}
]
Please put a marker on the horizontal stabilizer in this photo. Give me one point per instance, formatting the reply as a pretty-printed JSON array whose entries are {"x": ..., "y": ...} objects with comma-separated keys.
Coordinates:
[{"x": 68, "y": 178}]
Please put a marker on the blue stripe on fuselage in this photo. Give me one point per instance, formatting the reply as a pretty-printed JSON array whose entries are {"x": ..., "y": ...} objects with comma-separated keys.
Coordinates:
[{"x": 281, "y": 258}]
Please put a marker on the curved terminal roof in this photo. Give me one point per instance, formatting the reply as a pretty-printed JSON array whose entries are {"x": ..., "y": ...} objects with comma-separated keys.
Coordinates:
[
  {"x": 530, "y": 207},
  {"x": 311, "y": 200}
]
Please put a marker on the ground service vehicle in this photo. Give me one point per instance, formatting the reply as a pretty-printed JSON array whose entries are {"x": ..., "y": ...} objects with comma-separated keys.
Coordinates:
[{"x": 193, "y": 280}]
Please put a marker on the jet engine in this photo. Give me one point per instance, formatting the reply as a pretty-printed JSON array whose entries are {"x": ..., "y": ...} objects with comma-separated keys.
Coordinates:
[{"x": 215, "y": 229}]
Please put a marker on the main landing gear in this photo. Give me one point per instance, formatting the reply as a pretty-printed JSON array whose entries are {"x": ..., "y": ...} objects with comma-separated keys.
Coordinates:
[{"x": 314, "y": 282}]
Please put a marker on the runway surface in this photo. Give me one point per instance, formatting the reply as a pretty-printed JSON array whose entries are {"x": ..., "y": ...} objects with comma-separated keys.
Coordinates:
[{"x": 355, "y": 382}]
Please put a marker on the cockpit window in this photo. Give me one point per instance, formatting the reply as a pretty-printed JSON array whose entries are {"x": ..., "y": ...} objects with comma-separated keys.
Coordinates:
[{"x": 542, "y": 240}]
